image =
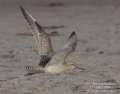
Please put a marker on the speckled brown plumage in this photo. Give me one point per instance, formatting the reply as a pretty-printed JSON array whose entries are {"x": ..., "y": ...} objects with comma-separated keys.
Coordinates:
[{"x": 43, "y": 41}]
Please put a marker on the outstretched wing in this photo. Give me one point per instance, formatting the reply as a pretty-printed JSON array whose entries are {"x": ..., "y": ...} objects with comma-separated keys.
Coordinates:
[
  {"x": 68, "y": 48},
  {"x": 59, "y": 57},
  {"x": 42, "y": 39}
]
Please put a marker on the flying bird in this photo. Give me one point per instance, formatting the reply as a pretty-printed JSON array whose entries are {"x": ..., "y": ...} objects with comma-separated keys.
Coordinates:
[
  {"x": 43, "y": 39},
  {"x": 58, "y": 63},
  {"x": 50, "y": 61}
]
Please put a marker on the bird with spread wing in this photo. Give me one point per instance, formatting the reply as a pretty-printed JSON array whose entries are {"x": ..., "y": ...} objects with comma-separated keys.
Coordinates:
[
  {"x": 42, "y": 38},
  {"x": 50, "y": 61}
]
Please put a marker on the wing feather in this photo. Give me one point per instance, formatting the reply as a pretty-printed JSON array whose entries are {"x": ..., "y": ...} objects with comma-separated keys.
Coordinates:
[
  {"x": 42, "y": 39},
  {"x": 68, "y": 48}
]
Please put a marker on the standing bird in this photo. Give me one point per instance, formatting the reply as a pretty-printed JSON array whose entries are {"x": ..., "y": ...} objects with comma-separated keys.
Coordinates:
[
  {"x": 42, "y": 38},
  {"x": 58, "y": 63}
]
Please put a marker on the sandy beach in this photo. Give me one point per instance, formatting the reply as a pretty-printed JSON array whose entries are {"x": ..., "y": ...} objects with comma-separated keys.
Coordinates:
[{"x": 97, "y": 24}]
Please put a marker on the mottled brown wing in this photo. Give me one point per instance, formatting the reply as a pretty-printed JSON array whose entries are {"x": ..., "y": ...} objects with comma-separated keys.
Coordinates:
[
  {"x": 68, "y": 48},
  {"x": 42, "y": 39}
]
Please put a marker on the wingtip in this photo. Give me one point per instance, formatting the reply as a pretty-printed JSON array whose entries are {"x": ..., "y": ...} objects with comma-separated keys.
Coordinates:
[
  {"x": 22, "y": 10},
  {"x": 21, "y": 7},
  {"x": 30, "y": 19},
  {"x": 72, "y": 34},
  {"x": 39, "y": 26}
]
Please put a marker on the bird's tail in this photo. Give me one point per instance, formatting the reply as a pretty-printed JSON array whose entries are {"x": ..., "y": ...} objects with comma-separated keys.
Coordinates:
[{"x": 31, "y": 70}]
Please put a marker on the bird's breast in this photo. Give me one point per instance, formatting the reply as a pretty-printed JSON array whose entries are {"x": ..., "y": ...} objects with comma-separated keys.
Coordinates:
[{"x": 56, "y": 69}]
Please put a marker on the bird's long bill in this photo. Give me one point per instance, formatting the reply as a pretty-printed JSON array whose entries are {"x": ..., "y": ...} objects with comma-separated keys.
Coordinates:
[{"x": 76, "y": 66}]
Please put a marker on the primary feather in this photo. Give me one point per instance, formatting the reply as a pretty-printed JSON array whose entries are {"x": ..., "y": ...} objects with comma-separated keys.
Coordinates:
[
  {"x": 42, "y": 39},
  {"x": 67, "y": 49}
]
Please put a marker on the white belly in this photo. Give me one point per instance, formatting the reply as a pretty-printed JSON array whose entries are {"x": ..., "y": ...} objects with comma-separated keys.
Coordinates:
[{"x": 56, "y": 69}]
